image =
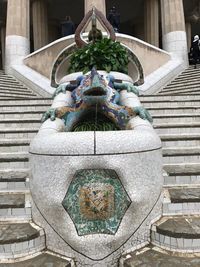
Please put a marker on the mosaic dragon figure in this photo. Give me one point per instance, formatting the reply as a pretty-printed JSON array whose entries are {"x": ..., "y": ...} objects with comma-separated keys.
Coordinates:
[{"x": 96, "y": 93}]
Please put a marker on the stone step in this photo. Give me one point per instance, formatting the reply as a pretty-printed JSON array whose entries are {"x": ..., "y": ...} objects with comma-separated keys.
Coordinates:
[
  {"x": 182, "y": 174},
  {"x": 183, "y": 139},
  {"x": 152, "y": 256},
  {"x": 158, "y": 111},
  {"x": 188, "y": 90},
  {"x": 184, "y": 81},
  {"x": 5, "y": 77},
  {"x": 14, "y": 160},
  {"x": 20, "y": 239},
  {"x": 183, "y": 118},
  {"x": 186, "y": 78},
  {"x": 181, "y": 154},
  {"x": 181, "y": 180},
  {"x": 171, "y": 105},
  {"x": 44, "y": 259},
  {"x": 177, "y": 128},
  {"x": 23, "y": 109},
  {"x": 182, "y": 200},
  {"x": 6, "y": 95},
  {"x": 16, "y": 92},
  {"x": 12, "y": 201},
  {"x": 15, "y": 206},
  {"x": 180, "y": 233},
  {"x": 17, "y": 232},
  {"x": 35, "y": 114},
  {"x": 13, "y": 175},
  {"x": 14, "y": 145},
  {"x": 18, "y": 123},
  {"x": 182, "y": 169},
  {"x": 14, "y": 187},
  {"x": 25, "y": 102},
  {"x": 14, "y": 87},
  {"x": 181, "y": 90},
  {"x": 182, "y": 85},
  {"x": 9, "y": 81},
  {"x": 28, "y": 132},
  {"x": 184, "y": 194},
  {"x": 168, "y": 98}
]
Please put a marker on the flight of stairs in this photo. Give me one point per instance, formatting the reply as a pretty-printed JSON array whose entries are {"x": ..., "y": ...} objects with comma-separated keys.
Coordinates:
[
  {"x": 176, "y": 113},
  {"x": 20, "y": 118}
]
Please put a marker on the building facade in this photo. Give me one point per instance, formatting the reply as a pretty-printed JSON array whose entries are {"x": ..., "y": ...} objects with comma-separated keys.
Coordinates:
[{"x": 27, "y": 25}]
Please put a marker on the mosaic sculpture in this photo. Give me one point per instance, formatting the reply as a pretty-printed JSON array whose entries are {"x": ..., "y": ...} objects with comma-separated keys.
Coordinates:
[
  {"x": 93, "y": 92},
  {"x": 91, "y": 189}
]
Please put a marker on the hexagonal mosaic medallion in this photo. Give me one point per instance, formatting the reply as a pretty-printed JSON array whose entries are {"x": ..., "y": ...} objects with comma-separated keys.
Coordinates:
[{"x": 96, "y": 201}]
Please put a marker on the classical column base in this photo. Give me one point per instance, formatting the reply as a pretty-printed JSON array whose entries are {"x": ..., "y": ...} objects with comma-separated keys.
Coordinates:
[
  {"x": 17, "y": 47},
  {"x": 176, "y": 42}
]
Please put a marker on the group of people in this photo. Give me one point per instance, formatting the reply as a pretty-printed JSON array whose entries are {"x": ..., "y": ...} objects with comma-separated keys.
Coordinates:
[{"x": 195, "y": 51}]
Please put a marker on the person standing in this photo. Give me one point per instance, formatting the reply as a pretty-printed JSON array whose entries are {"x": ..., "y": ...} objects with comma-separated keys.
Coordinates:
[
  {"x": 67, "y": 26},
  {"x": 195, "y": 49},
  {"x": 114, "y": 19}
]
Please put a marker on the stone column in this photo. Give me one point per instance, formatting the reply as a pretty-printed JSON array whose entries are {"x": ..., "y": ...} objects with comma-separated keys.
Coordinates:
[
  {"x": 100, "y": 5},
  {"x": 173, "y": 28},
  {"x": 151, "y": 16},
  {"x": 40, "y": 23},
  {"x": 189, "y": 34},
  {"x": 3, "y": 36},
  {"x": 17, "y": 32}
]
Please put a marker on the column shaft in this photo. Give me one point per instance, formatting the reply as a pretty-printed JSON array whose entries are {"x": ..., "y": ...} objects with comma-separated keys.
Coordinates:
[
  {"x": 40, "y": 23},
  {"x": 99, "y": 4},
  {"x": 3, "y": 37},
  {"x": 17, "y": 32},
  {"x": 152, "y": 22},
  {"x": 173, "y": 28},
  {"x": 189, "y": 34}
]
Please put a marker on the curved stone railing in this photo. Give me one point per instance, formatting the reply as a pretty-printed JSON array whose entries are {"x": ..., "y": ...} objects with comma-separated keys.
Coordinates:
[{"x": 151, "y": 57}]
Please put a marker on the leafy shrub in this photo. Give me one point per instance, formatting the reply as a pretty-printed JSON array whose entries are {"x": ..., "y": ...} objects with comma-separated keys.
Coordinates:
[{"x": 103, "y": 55}]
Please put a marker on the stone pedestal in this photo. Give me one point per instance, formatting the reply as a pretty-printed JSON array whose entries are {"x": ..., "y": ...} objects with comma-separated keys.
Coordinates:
[
  {"x": 91, "y": 189},
  {"x": 17, "y": 32},
  {"x": 40, "y": 23},
  {"x": 151, "y": 16},
  {"x": 173, "y": 28}
]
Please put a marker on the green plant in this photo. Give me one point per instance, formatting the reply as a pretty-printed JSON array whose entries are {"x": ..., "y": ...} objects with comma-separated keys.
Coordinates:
[
  {"x": 103, "y": 55},
  {"x": 93, "y": 122}
]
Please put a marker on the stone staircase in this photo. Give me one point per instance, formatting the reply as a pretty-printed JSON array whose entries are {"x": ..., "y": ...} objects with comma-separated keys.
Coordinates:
[
  {"x": 21, "y": 241},
  {"x": 175, "y": 237},
  {"x": 176, "y": 113}
]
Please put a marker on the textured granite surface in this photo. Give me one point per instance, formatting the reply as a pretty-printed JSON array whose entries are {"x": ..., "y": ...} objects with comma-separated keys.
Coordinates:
[
  {"x": 43, "y": 260},
  {"x": 184, "y": 195},
  {"x": 12, "y": 201},
  {"x": 16, "y": 232},
  {"x": 154, "y": 258},
  {"x": 185, "y": 227}
]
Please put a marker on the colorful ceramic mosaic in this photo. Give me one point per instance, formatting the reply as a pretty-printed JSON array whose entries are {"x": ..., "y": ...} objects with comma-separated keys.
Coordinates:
[
  {"x": 99, "y": 94},
  {"x": 96, "y": 201}
]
